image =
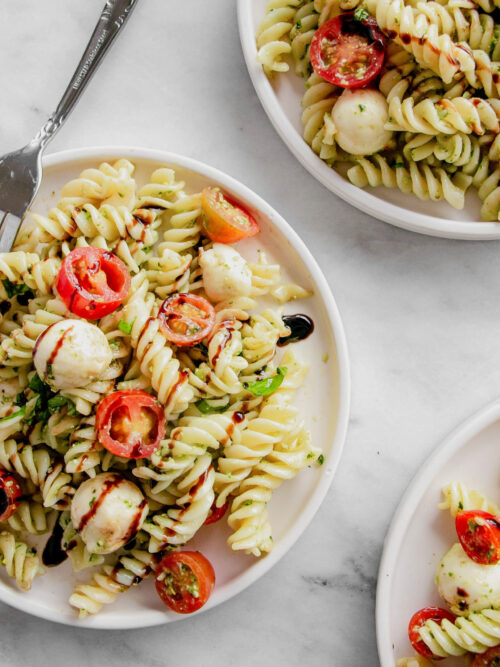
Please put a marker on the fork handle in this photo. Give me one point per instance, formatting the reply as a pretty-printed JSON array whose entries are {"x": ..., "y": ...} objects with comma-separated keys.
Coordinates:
[{"x": 112, "y": 19}]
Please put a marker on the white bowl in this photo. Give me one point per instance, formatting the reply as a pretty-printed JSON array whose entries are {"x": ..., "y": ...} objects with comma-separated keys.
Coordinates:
[
  {"x": 281, "y": 100},
  {"x": 324, "y": 402},
  {"x": 420, "y": 534}
]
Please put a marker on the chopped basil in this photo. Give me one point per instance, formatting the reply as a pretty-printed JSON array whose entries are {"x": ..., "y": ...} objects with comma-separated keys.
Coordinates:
[
  {"x": 57, "y": 402},
  {"x": 267, "y": 385},
  {"x": 17, "y": 289},
  {"x": 205, "y": 408},
  {"x": 126, "y": 327},
  {"x": 47, "y": 402},
  {"x": 361, "y": 14},
  {"x": 37, "y": 384},
  {"x": 321, "y": 459}
]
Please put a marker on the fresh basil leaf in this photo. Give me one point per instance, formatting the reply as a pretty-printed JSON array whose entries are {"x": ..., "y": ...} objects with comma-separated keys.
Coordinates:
[
  {"x": 20, "y": 412},
  {"x": 20, "y": 399},
  {"x": 125, "y": 326},
  {"x": 17, "y": 289},
  {"x": 266, "y": 386},
  {"x": 38, "y": 385},
  {"x": 55, "y": 403},
  {"x": 207, "y": 409}
]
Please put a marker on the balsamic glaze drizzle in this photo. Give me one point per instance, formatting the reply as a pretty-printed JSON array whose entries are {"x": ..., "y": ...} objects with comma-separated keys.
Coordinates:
[
  {"x": 54, "y": 554},
  {"x": 301, "y": 326}
]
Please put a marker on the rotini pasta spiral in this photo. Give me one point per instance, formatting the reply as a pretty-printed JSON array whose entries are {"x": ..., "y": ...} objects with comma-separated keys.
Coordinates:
[
  {"x": 259, "y": 337},
  {"x": 447, "y": 116},
  {"x": 31, "y": 516},
  {"x": 184, "y": 225},
  {"x": 84, "y": 451},
  {"x": 20, "y": 561},
  {"x": 37, "y": 465},
  {"x": 458, "y": 497},
  {"x": 301, "y": 34},
  {"x": 422, "y": 180},
  {"x": 250, "y": 445},
  {"x": 105, "y": 585},
  {"x": 196, "y": 495},
  {"x": 248, "y": 514},
  {"x": 192, "y": 438},
  {"x": 319, "y": 128},
  {"x": 29, "y": 269},
  {"x": 103, "y": 183},
  {"x": 153, "y": 350},
  {"x": 273, "y": 42},
  {"x": 474, "y": 633},
  {"x": 421, "y": 36}
]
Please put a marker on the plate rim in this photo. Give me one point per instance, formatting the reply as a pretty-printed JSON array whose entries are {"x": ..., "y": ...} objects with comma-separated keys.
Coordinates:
[
  {"x": 457, "y": 438},
  {"x": 357, "y": 197},
  {"x": 14, "y": 598}
]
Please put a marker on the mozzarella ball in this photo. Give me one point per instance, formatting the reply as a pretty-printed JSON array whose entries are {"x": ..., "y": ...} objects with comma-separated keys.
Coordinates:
[
  {"x": 108, "y": 511},
  {"x": 71, "y": 353},
  {"x": 465, "y": 585},
  {"x": 359, "y": 117},
  {"x": 225, "y": 273}
]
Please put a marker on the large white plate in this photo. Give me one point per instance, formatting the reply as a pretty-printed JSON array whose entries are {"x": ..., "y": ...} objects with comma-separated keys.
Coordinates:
[
  {"x": 324, "y": 402},
  {"x": 281, "y": 100},
  {"x": 420, "y": 534}
]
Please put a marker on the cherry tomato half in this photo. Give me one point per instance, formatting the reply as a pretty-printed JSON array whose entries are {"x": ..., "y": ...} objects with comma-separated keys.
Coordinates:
[
  {"x": 225, "y": 221},
  {"x": 489, "y": 659},
  {"x": 184, "y": 581},
  {"x": 92, "y": 282},
  {"x": 418, "y": 620},
  {"x": 130, "y": 423},
  {"x": 186, "y": 319},
  {"x": 479, "y": 535},
  {"x": 348, "y": 52},
  {"x": 10, "y": 492},
  {"x": 216, "y": 513}
]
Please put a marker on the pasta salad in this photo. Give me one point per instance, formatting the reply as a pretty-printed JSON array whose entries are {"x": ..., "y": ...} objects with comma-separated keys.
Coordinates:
[
  {"x": 468, "y": 581},
  {"x": 399, "y": 93},
  {"x": 143, "y": 392}
]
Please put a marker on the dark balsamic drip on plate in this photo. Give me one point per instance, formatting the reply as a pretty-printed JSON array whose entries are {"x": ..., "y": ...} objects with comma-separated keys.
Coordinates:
[
  {"x": 54, "y": 554},
  {"x": 301, "y": 326}
]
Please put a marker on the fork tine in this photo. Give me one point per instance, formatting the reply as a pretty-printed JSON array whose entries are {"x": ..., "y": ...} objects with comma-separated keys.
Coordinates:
[{"x": 9, "y": 226}]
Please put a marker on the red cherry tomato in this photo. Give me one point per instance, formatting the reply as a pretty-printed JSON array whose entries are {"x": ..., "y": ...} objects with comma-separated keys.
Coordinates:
[
  {"x": 10, "y": 492},
  {"x": 225, "y": 221},
  {"x": 186, "y": 319},
  {"x": 130, "y": 424},
  {"x": 184, "y": 581},
  {"x": 489, "y": 659},
  {"x": 216, "y": 513},
  {"x": 479, "y": 535},
  {"x": 418, "y": 620},
  {"x": 92, "y": 282},
  {"x": 348, "y": 52}
]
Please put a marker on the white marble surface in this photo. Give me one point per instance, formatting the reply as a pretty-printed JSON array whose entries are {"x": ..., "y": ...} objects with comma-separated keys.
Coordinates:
[{"x": 421, "y": 316}]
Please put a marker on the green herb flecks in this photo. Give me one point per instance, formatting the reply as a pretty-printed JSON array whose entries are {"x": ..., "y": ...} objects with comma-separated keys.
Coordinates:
[
  {"x": 125, "y": 326},
  {"x": 361, "y": 14}
]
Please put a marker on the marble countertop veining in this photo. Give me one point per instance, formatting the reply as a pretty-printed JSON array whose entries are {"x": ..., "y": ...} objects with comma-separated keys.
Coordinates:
[{"x": 420, "y": 315}]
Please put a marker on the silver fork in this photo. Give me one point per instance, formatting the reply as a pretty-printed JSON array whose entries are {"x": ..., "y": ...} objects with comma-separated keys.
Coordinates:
[{"x": 21, "y": 171}]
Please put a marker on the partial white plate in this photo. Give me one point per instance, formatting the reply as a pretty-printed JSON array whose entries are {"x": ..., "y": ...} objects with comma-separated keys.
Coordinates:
[
  {"x": 420, "y": 534},
  {"x": 324, "y": 402},
  {"x": 281, "y": 100}
]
